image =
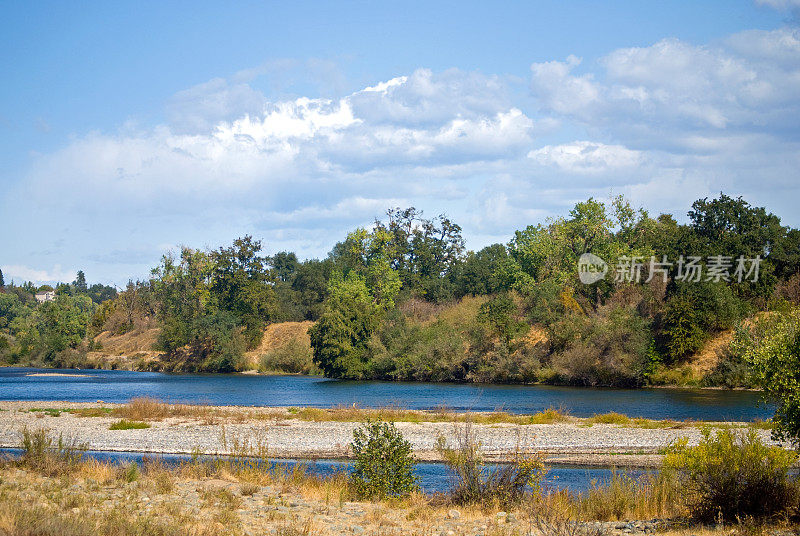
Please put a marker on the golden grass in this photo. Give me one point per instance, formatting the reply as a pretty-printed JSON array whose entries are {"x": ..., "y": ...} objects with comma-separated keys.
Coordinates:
[
  {"x": 151, "y": 409},
  {"x": 625, "y": 497},
  {"x": 609, "y": 418},
  {"x": 393, "y": 414}
]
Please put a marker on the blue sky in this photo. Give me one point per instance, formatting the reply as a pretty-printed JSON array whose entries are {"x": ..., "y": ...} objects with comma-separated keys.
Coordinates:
[{"x": 128, "y": 129}]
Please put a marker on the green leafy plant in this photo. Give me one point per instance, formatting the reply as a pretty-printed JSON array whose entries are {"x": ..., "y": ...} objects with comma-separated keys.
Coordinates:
[
  {"x": 732, "y": 474},
  {"x": 772, "y": 347},
  {"x": 384, "y": 465},
  {"x": 125, "y": 424}
]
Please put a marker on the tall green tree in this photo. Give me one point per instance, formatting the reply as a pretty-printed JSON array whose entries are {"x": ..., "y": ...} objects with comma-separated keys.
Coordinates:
[
  {"x": 242, "y": 285},
  {"x": 80, "y": 283},
  {"x": 339, "y": 338}
]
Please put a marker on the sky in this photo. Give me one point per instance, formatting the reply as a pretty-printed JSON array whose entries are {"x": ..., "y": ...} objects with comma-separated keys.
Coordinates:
[{"x": 129, "y": 129}]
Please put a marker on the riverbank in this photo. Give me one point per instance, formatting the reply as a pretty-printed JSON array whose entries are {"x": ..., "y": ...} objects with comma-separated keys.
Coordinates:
[
  {"x": 312, "y": 433},
  {"x": 98, "y": 499},
  {"x": 53, "y": 494}
]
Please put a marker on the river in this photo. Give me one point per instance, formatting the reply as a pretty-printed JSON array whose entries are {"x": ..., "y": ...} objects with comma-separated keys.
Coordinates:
[{"x": 261, "y": 390}]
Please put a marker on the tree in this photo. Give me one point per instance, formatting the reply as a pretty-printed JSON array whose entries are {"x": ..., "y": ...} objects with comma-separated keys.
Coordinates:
[
  {"x": 339, "y": 338},
  {"x": 100, "y": 293},
  {"x": 10, "y": 308},
  {"x": 552, "y": 251},
  {"x": 285, "y": 265},
  {"x": 311, "y": 286},
  {"x": 681, "y": 327},
  {"x": 732, "y": 227},
  {"x": 773, "y": 349},
  {"x": 483, "y": 272},
  {"x": 2, "y": 281},
  {"x": 242, "y": 285},
  {"x": 423, "y": 252},
  {"x": 80, "y": 283}
]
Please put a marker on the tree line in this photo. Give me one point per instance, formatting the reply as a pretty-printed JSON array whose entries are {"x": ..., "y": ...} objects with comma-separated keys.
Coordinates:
[{"x": 404, "y": 300}]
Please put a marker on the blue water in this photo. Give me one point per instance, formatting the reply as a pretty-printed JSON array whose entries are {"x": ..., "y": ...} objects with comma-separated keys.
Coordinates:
[
  {"x": 246, "y": 390},
  {"x": 433, "y": 477}
]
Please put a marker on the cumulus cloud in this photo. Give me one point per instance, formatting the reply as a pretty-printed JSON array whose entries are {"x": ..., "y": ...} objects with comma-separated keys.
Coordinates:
[
  {"x": 305, "y": 139},
  {"x": 721, "y": 116},
  {"x": 587, "y": 157},
  {"x": 671, "y": 87}
]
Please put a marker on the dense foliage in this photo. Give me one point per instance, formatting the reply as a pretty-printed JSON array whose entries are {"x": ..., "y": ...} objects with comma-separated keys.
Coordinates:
[
  {"x": 732, "y": 475},
  {"x": 772, "y": 346},
  {"x": 383, "y": 465},
  {"x": 54, "y": 332},
  {"x": 403, "y": 300}
]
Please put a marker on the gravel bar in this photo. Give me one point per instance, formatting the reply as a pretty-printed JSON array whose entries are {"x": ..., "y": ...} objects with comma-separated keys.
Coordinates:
[{"x": 572, "y": 443}]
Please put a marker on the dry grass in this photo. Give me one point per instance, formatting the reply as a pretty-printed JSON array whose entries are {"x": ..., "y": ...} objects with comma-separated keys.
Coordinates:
[
  {"x": 151, "y": 409},
  {"x": 394, "y": 414},
  {"x": 625, "y": 497},
  {"x": 609, "y": 418},
  {"x": 277, "y": 336},
  {"x": 138, "y": 341}
]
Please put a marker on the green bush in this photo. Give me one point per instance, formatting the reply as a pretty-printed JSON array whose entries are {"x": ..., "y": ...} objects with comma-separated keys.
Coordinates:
[
  {"x": 383, "y": 466},
  {"x": 732, "y": 474}
]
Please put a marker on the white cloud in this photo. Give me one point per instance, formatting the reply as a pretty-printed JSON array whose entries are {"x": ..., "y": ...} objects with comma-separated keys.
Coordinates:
[
  {"x": 19, "y": 274},
  {"x": 779, "y": 4},
  {"x": 751, "y": 81},
  {"x": 199, "y": 108},
  {"x": 587, "y": 157},
  {"x": 559, "y": 90},
  {"x": 397, "y": 123}
]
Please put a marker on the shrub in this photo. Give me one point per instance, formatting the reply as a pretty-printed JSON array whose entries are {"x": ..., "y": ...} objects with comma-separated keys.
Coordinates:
[
  {"x": 609, "y": 347},
  {"x": 383, "y": 466},
  {"x": 732, "y": 474},
  {"x": 42, "y": 452},
  {"x": 474, "y": 482},
  {"x": 294, "y": 357}
]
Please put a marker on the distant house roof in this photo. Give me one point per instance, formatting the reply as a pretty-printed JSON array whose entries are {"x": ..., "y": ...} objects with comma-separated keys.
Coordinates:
[{"x": 47, "y": 295}]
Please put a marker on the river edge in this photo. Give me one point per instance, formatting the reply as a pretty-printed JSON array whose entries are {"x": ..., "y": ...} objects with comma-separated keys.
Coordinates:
[
  {"x": 320, "y": 376},
  {"x": 210, "y": 430}
]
